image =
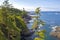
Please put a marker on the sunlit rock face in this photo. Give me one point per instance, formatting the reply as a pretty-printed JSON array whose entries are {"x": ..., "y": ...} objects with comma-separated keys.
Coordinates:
[{"x": 56, "y": 33}]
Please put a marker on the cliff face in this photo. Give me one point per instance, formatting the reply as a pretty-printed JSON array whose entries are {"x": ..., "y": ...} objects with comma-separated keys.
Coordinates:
[
  {"x": 56, "y": 33},
  {"x": 26, "y": 18}
]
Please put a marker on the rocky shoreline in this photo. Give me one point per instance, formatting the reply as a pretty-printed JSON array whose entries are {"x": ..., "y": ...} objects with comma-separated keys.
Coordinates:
[
  {"x": 26, "y": 18},
  {"x": 56, "y": 33}
]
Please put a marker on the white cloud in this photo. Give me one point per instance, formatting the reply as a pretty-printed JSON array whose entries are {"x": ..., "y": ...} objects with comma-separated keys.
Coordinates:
[
  {"x": 30, "y": 8},
  {"x": 1, "y": 1}
]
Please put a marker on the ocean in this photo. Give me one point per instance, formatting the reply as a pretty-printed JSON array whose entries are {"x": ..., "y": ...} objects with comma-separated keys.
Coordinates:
[{"x": 51, "y": 19}]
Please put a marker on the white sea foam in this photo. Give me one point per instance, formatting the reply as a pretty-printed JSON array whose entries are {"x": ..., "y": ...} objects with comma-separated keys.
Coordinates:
[
  {"x": 40, "y": 25},
  {"x": 54, "y": 28},
  {"x": 31, "y": 21}
]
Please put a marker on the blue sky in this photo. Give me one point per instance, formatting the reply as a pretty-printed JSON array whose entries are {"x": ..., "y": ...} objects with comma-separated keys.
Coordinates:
[{"x": 46, "y": 5}]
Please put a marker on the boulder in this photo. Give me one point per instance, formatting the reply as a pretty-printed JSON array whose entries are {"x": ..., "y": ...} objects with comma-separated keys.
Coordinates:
[
  {"x": 53, "y": 34},
  {"x": 56, "y": 33},
  {"x": 58, "y": 29}
]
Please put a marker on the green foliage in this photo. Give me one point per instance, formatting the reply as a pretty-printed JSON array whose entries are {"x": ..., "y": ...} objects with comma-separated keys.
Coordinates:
[
  {"x": 37, "y": 38},
  {"x": 41, "y": 22},
  {"x": 37, "y": 22},
  {"x": 35, "y": 25},
  {"x": 11, "y": 22},
  {"x": 20, "y": 22},
  {"x": 41, "y": 35},
  {"x": 37, "y": 10},
  {"x": 2, "y": 36},
  {"x": 24, "y": 12}
]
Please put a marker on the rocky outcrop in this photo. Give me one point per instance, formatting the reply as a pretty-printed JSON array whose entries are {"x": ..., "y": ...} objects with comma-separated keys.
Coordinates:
[
  {"x": 25, "y": 35},
  {"x": 26, "y": 18},
  {"x": 56, "y": 33}
]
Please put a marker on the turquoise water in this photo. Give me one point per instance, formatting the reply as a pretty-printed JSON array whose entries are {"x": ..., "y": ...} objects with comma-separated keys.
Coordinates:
[{"x": 51, "y": 19}]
